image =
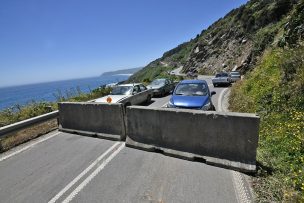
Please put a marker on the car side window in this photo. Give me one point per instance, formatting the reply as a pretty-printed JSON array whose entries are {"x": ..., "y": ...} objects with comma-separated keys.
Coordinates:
[
  {"x": 142, "y": 88},
  {"x": 136, "y": 89}
]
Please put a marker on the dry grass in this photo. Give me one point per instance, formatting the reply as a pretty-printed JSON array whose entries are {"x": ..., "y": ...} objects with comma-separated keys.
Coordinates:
[{"x": 16, "y": 138}]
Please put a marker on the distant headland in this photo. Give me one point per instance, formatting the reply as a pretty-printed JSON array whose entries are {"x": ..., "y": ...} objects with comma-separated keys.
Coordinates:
[{"x": 129, "y": 71}]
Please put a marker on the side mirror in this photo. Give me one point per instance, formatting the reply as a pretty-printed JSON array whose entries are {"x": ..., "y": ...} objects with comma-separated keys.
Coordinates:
[{"x": 213, "y": 93}]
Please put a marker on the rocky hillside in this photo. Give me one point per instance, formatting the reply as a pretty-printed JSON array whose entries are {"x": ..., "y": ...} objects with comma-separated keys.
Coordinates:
[{"x": 233, "y": 42}]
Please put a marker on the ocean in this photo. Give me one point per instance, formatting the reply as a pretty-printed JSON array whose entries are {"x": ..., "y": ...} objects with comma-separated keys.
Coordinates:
[{"x": 24, "y": 94}]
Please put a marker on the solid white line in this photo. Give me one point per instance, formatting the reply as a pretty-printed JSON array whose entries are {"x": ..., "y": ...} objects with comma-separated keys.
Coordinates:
[
  {"x": 219, "y": 105},
  {"x": 92, "y": 175},
  {"x": 27, "y": 147},
  {"x": 66, "y": 188}
]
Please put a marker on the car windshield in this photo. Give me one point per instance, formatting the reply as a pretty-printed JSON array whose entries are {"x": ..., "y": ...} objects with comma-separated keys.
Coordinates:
[
  {"x": 122, "y": 90},
  {"x": 158, "y": 82},
  {"x": 192, "y": 89}
]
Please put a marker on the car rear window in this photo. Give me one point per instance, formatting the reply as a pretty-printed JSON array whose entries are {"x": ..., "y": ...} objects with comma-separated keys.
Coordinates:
[{"x": 192, "y": 89}]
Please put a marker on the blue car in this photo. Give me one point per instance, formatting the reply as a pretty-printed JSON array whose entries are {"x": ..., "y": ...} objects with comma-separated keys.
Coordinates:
[{"x": 192, "y": 94}]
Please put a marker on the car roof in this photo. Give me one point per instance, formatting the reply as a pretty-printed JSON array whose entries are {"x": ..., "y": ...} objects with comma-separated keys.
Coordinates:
[
  {"x": 192, "y": 81},
  {"x": 129, "y": 85}
]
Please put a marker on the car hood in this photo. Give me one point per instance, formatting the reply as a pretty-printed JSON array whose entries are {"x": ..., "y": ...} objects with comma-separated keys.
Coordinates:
[
  {"x": 154, "y": 86},
  {"x": 189, "y": 101},
  {"x": 115, "y": 98}
]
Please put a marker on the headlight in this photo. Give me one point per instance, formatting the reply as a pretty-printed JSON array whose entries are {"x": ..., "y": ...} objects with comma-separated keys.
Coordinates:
[
  {"x": 170, "y": 105},
  {"x": 207, "y": 106}
]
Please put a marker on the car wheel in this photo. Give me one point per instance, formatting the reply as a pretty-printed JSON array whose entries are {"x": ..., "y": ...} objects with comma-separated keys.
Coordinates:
[
  {"x": 214, "y": 85},
  {"x": 163, "y": 93}
]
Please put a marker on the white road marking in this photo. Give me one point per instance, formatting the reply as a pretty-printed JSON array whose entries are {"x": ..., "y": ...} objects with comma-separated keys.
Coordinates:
[
  {"x": 93, "y": 174},
  {"x": 239, "y": 188},
  {"x": 219, "y": 104},
  {"x": 13, "y": 153},
  {"x": 83, "y": 173}
]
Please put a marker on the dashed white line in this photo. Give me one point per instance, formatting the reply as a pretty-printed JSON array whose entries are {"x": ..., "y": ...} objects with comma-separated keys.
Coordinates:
[
  {"x": 83, "y": 173},
  {"x": 93, "y": 174},
  {"x": 27, "y": 147}
]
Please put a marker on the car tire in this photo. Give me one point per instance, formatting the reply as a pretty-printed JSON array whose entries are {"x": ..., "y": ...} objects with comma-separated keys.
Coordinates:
[{"x": 214, "y": 85}]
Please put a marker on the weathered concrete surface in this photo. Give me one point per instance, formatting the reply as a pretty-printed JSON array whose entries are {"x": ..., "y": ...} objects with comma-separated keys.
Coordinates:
[
  {"x": 227, "y": 139},
  {"x": 92, "y": 119}
]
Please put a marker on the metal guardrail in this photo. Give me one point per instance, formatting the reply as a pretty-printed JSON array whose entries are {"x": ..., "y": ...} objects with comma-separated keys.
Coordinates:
[{"x": 26, "y": 123}]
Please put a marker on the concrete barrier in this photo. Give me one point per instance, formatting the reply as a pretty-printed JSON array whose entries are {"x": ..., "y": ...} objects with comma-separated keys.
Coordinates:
[
  {"x": 225, "y": 139},
  {"x": 92, "y": 119}
]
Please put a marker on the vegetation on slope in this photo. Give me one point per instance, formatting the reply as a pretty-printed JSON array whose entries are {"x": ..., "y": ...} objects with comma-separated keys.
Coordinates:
[
  {"x": 275, "y": 91},
  {"x": 161, "y": 67}
]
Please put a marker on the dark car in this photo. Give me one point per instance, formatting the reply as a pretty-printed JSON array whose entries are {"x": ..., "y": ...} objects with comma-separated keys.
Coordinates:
[
  {"x": 192, "y": 94},
  {"x": 161, "y": 86}
]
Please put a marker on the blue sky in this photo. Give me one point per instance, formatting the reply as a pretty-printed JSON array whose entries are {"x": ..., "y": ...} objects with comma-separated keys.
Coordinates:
[{"x": 48, "y": 40}]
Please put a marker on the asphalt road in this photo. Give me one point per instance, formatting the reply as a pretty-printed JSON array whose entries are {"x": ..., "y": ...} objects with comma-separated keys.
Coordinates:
[{"x": 62, "y": 167}]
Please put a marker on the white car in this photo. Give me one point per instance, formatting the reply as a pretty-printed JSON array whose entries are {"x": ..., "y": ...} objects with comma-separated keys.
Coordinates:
[
  {"x": 128, "y": 94},
  {"x": 235, "y": 76},
  {"x": 221, "y": 79}
]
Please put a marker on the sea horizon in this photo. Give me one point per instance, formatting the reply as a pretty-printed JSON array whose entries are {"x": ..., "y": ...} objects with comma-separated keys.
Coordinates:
[
  {"x": 46, "y": 91},
  {"x": 43, "y": 82}
]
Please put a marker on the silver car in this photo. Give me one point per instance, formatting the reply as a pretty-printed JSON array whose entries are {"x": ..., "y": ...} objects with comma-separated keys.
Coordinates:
[
  {"x": 222, "y": 78},
  {"x": 235, "y": 76},
  {"x": 161, "y": 86}
]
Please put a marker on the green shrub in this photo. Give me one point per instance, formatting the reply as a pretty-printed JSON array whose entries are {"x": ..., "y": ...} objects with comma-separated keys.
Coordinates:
[{"x": 275, "y": 91}]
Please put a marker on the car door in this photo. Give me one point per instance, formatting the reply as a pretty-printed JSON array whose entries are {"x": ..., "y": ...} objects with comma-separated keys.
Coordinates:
[
  {"x": 139, "y": 95},
  {"x": 144, "y": 93},
  {"x": 169, "y": 86}
]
